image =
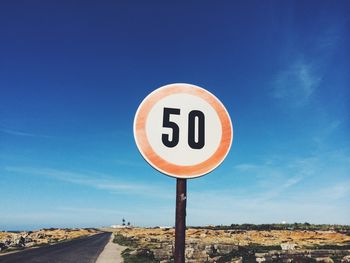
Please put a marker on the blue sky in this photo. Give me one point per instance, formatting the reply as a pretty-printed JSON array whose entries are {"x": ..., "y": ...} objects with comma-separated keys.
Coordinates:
[{"x": 72, "y": 74}]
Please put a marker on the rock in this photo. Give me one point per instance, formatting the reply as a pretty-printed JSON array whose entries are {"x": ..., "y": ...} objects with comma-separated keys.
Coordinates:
[
  {"x": 19, "y": 242},
  {"x": 288, "y": 246},
  {"x": 214, "y": 259},
  {"x": 203, "y": 245},
  {"x": 219, "y": 249},
  {"x": 8, "y": 242},
  {"x": 28, "y": 240},
  {"x": 145, "y": 253},
  {"x": 30, "y": 244},
  {"x": 208, "y": 249},
  {"x": 163, "y": 253},
  {"x": 260, "y": 259},
  {"x": 225, "y": 249},
  {"x": 346, "y": 259},
  {"x": 2, "y": 246},
  {"x": 40, "y": 235},
  {"x": 189, "y": 252},
  {"x": 325, "y": 260}
]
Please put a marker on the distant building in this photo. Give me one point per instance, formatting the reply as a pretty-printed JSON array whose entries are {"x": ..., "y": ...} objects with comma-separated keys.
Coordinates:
[
  {"x": 165, "y": 227},
  {"x": 118, "y": 226}
]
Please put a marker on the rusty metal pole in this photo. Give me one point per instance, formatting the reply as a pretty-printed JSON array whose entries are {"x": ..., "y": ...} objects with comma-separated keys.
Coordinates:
[{"x": 180, "y": 220}]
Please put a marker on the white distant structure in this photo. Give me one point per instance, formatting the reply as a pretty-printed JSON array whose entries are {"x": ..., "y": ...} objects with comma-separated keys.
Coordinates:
[
  {"x": 118, "y": 226},
  {"x": 284, "y": 222},
  {"x": 128, "y": 225}
]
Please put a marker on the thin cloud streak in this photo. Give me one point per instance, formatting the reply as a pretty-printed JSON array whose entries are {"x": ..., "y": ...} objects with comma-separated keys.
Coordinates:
[
  {"x": 127, "y": 163},
  {"x": 89, "y": 210},
  {"x": 102, "y": 183},
  {"x": 326, "y": 204},
  {"x": 279, "y": 178},
  {"x": 21, "y": 133},
  {"x": 227, "y": 209}
]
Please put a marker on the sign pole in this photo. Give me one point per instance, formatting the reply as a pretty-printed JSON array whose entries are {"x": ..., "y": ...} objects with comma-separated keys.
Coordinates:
[
  {"x": 206, "y": 136},
  {"x": 180, "y": 220}
]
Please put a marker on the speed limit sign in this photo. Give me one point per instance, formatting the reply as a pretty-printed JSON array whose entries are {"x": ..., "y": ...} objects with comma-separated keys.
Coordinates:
[{"x": 183, "y": 130}]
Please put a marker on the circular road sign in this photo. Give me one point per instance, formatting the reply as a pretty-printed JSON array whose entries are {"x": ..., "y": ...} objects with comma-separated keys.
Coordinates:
[{"x": 182, "y": 130}]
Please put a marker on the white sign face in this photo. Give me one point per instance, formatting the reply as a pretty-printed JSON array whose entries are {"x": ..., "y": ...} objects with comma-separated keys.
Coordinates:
[{"x": 183, "y": 130}]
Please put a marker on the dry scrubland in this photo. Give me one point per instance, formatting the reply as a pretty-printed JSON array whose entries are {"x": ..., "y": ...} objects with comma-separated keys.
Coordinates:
[
  {"x": 209, "y": 245},
  {"x": 10, "y": 241}
]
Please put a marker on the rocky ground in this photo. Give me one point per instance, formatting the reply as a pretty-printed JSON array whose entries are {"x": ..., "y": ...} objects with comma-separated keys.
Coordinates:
[
  {"x": 206, "y": 245},
  {"x": 10, "y": 241}
]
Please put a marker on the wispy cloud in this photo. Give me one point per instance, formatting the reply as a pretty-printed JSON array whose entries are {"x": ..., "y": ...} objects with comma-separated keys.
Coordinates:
[
  {"x": 246, "y": 167},
  {"x": 323, "y": 134},
  {"x": 228, "y": 208},
  {"x": 297, "y": 83},
  {"x": 277, "y": 177},
  {"x": 89, "y": 210},
  {"x": 95, "y": 180},
  {"x": 302, "y": 71},
  {"x": 21, "y": 133},
  {"x": 273, "y": 172},
  {"x": 299, "y": 190}
]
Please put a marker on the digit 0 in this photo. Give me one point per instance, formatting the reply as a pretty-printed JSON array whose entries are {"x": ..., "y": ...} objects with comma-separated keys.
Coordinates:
[
  {"x": 196, "y": 137},
  {"x": 192, "y": 141}
]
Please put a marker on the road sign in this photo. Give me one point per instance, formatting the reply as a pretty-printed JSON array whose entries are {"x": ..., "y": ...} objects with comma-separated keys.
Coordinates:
[{"x": 182, "y": 130}]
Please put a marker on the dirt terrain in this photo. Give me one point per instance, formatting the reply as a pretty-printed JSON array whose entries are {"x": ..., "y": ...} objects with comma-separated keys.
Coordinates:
[
  {"x": 241, "y": 237},
  {"x": 207, "y": 245}
]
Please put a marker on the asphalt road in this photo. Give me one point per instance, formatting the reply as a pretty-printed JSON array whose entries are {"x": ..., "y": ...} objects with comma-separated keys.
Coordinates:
[{"x": 82, "y": 250}]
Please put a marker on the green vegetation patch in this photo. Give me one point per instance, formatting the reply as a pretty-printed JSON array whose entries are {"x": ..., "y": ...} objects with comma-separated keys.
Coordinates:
[
  {"x": 138, "y": 256},
  {"x": 247, "y": 253},
  {"x": 296, "y": 226},
  {"x": 330, "y": 247},
  {"x": 124, "y": 241},
  {"x": 298, "y": 260},
  {"x": 257, "y": 248}
]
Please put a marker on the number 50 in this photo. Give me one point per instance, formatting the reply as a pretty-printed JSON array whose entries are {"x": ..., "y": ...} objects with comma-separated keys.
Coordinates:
[{"x": 192, "y": 116}]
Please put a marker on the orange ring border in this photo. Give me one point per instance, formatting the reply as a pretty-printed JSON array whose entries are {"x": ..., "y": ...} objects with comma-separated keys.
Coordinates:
[{"x": 164, "y": 166}]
